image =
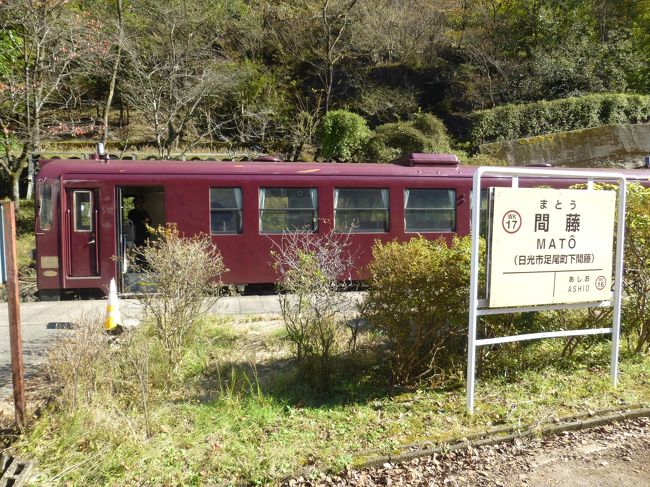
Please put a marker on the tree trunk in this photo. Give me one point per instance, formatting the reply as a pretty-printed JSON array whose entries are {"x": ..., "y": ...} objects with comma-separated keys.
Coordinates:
[
  {"x": 111, "y": 91},
  {"x": 116, "y": 65},
  {"x": 30, "y": 176},
  {"x": 36, "y": 127},
  {"x": 329, "y": 83},
  {"x": 15, "y": 186}
]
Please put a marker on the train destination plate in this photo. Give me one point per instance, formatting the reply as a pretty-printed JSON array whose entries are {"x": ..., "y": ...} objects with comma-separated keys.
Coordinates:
[{"x": 550, "y": 246}]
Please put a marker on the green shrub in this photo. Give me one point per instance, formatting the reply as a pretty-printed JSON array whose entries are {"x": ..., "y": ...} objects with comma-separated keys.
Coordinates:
[
  {"x": 418, "y": 298},
  {"x": 424, "y": 133},
  {"x": 393, "y": 139},
  {"x": 342, "y": 136},
  {"x": 432, "y": 127},
  {"x": 635, "y": 315},
  {"x": 636, "y": 281},
  {"x": 376, "y": 150},
  {"x": 509, "y": 122}
]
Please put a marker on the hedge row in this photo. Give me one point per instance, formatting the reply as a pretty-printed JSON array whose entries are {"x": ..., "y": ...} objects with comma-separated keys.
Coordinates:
[{"x": 509, "y": 122}]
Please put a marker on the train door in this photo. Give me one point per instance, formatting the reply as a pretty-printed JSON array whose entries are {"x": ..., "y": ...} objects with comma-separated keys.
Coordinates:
[
  {"x": 121, "y": 227},
  {"x": 83, "y": 232},
  {"x": 130, "y": 227}
]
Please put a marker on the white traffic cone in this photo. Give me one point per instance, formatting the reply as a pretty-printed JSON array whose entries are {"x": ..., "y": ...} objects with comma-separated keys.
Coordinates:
[{"x": 113, "y": 320}]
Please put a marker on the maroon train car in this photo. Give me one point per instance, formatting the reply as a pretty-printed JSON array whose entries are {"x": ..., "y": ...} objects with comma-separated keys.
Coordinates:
[{"x": 83, "y": 233}]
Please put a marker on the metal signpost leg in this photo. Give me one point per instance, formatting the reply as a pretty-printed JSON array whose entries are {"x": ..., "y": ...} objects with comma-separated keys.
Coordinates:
[
  {"x": 471, "y": 363},
  {"x": 618, "y": 284},
  {"x": 473, "y": 293}
]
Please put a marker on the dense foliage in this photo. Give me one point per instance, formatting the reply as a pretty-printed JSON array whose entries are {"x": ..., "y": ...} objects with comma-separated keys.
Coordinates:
[
  {"x": 424, "y": 133},
  {"x": 636, "y": 282},
  {"x": 524, "y": 120},
  {"x": 418, "y": 298},
  {"x": 342, "y": 136},
  {"x": 260, "y": 76}
]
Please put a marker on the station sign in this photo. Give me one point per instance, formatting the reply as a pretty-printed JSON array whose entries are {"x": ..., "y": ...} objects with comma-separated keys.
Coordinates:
[{"x": 550, "y": 246}]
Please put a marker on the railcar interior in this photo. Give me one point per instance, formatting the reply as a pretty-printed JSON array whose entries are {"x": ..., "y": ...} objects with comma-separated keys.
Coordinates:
[{"x": 153, "y": 203}]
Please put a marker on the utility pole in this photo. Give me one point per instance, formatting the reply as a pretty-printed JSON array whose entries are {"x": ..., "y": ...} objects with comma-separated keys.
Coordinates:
[{"x": 15, "y": 338}]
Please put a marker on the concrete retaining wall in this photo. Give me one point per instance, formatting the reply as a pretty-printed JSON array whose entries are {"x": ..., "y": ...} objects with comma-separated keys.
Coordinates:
[{"x": 607, "y": 146}]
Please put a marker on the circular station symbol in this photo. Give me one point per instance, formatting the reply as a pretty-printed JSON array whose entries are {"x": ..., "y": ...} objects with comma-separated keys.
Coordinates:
[
  {"x": 511, "y": 221},
  {"x": 600, "y": 283}
]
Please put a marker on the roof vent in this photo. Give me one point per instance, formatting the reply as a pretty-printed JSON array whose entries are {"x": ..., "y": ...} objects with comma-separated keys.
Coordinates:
[{"x": 426, "y": 159}]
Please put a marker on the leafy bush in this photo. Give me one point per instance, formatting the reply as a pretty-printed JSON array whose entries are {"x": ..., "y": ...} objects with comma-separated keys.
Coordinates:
[
  {"x": 432, "y": 127},
  {"x": 377, "y": 150},
  {"x": 178, "y": 275},
  {"x": 424, "y": 133},
  {"x": 393, "y": 139},
  {"x": 342, "y": 135},
  {"x": 418, "y": 298},
  {"x": 509, "y": 122},
  {"x": 636, "y": 279},
  {"x": 636, "y": 282}
]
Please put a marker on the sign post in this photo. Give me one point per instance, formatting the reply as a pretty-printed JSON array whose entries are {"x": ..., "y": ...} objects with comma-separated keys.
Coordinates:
[
  {"x": 15, "y": 338},
  {"x": 548, "y": 249}
]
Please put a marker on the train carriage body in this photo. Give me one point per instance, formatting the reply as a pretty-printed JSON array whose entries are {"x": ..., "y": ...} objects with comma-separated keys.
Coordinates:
[{"x": 83, "y": 234}]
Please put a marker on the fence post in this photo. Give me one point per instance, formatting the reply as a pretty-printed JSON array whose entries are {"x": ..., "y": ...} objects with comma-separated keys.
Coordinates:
[{"x": 15, "y": 338}]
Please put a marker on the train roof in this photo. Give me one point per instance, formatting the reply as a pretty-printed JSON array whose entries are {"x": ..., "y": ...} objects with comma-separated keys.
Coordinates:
[{"x": 438, "y": 166}]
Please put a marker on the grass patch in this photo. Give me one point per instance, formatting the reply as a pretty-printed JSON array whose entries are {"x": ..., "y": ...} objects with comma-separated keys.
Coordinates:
[{"x": 240, "y": 412}]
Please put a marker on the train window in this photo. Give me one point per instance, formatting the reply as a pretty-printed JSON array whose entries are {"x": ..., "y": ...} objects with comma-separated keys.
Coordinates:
[
  {"x": 45, "y": 206},
  {"x": 430, "y": 210},
  {"x": 288, "y": 209},
  {"x": 83, "y": 211},
  {"x": 360, "y": 210},
  {"x": 225, "y": 210}
]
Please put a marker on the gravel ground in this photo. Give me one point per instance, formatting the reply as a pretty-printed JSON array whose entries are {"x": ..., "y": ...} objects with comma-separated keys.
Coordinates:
[{"x": 616, "y": 455}]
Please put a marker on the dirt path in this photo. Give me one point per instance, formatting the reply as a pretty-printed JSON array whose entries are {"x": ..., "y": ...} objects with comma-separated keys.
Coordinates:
[{"x": 616, "y": 455}]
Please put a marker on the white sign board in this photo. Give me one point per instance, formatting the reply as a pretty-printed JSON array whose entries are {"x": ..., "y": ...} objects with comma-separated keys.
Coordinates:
[{"x": 550, "y": 246}]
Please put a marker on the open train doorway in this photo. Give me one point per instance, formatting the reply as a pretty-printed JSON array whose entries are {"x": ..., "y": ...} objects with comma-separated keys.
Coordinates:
[{"x": 139, "y": 209}]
